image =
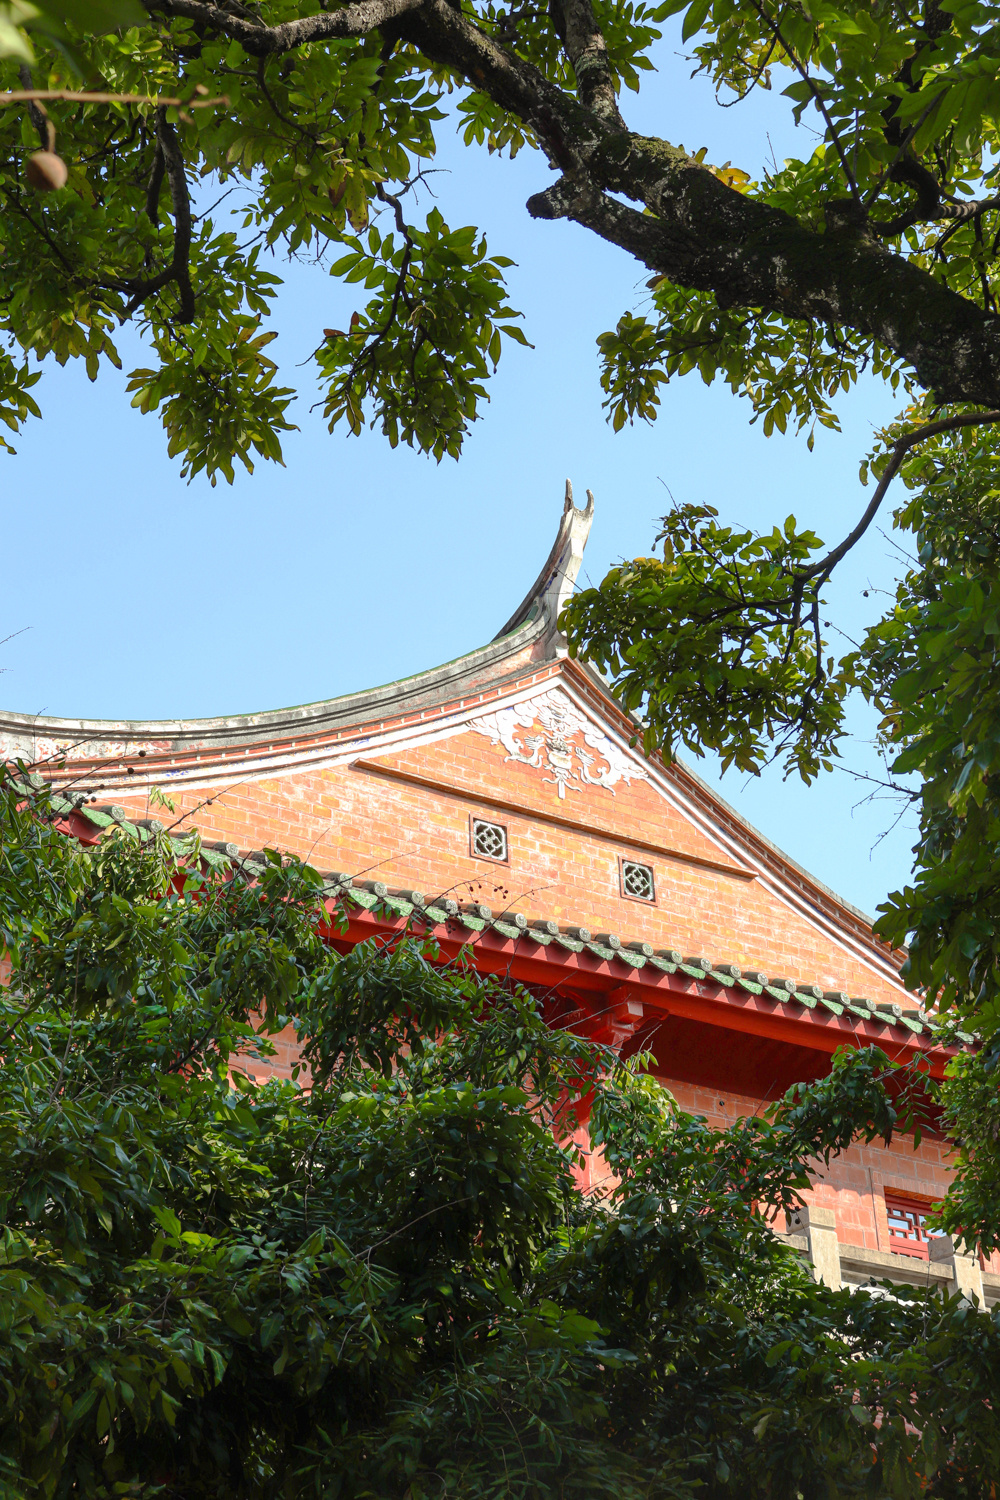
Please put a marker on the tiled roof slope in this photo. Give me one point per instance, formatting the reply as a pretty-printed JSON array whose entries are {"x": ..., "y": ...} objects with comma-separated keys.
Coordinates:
[
  {"x": 632, "y": 954},
  {"x": 409, "y": 908}
]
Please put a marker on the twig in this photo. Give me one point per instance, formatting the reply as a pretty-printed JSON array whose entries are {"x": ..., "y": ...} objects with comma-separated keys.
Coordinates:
[
  {"x": 821, "y": 570},
  {"x": 813, "y": 88},
  {"x": 33, "y": 96}
]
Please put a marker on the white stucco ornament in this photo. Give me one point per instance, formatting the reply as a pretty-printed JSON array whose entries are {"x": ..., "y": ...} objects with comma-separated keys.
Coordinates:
[{"x": 570, "y": 749}]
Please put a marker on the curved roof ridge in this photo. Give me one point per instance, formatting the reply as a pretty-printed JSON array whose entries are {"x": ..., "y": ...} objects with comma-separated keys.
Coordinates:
[
  {"x": 555, "y": 583},
  {"x": 347, "y": 708},
  {"x": 533, "y": 625}
]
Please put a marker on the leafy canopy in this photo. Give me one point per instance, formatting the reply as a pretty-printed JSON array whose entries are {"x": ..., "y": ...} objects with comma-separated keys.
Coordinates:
[
  {"x": 874, "y": 251},
  {"x": 391, "y": 1283}
]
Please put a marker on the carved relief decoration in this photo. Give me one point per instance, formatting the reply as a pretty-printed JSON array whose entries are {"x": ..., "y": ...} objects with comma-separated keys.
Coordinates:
[{"x": 569, "y": 750}]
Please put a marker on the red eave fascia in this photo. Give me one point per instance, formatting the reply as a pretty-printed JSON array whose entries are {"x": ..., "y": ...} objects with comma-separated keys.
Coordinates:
[
  {"x": 630, "y": 1000},
  {"x": 612, "y": 1002}
]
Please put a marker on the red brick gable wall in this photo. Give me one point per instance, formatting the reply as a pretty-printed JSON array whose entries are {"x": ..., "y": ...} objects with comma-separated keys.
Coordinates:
[{"x": 564, "y": 854}]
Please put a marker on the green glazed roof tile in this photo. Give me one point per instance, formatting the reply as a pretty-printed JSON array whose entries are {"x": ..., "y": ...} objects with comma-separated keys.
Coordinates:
[
  {"x": 215, "y": 860},
  {"x": 436, "y": 915},
  {"x": 99, "y": 819},
  {"x": 507, "y": 930},
  {"x": 914, "y": 1026},
  {"x": 573, "y": 945},
  {"x": 365, "y": 899}
]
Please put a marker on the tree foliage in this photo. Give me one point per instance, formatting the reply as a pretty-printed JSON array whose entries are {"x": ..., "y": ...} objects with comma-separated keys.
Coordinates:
[
  {"x": 390, "y": 1283},
  {"x": 874, "y": 251}
]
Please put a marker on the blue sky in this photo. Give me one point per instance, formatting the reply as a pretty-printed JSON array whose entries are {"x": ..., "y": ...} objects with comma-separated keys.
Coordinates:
[{"x": 141, "y": 596}]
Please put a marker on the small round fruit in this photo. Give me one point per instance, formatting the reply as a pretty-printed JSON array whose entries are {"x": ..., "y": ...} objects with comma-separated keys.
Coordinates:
[{"x": 46, "y": 171}]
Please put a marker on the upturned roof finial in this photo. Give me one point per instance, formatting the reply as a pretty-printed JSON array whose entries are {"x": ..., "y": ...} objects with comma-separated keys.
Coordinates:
[
  {"x": 555, "y": 583},
  {"x": 569, "y": 505}
]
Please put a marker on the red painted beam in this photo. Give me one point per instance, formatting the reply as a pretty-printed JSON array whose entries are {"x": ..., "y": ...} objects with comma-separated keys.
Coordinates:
[{"x": 633, "y": 1001}]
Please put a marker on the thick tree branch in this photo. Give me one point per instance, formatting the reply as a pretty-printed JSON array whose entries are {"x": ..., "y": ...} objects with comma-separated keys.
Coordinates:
[
  {"x": 566, "y": 128},
  {"x": 587, "y": 51},
  {"x": 707, "y": 236},
  {"x": 173, "y": 162},
  {"x": 697, "y": 231},
  {"x": 270, "y": 41}
]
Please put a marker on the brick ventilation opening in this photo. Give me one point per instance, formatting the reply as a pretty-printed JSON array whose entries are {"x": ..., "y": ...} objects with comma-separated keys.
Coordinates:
[
  {"x": 637, "y": 880},
  {"x": 908, "y": 1232},
  {"x": 489, "y": 840}
]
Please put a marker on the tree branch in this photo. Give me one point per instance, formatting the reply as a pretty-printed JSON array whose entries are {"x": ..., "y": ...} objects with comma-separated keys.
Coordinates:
[
  {"x": 567, "y": 130},
  {"x": 814, "y": 89},
  {"x": 155, "y": 184},
  {"x": 36, "y": 112},
  {"x": 698, "y": 231},
  {"x": 707, "y": 236},
  {"x": 31, "y": 97},
  {"x": 972, "y": 208},
  {"x": 168, "y": 162},
  {"x": 263, "y": 41},
  {"x": 173, "y": 162},
  {"x": 820, "y": 571},
  {"x": 587, "y": 51}
]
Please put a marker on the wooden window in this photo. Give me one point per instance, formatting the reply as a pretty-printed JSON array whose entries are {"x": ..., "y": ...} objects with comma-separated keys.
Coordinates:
[{"x": 908, "y": 1232}]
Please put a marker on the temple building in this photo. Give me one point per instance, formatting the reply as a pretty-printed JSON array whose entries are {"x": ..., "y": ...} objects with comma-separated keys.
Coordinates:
[{"x": 502, "y": 801}]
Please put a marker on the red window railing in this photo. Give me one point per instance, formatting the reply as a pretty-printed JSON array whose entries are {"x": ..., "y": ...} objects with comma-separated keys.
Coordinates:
[{"x": 908, "y": 1231}]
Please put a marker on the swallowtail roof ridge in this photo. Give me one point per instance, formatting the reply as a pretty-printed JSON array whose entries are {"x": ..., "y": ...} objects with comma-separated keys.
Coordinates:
[{"x": 530, "y": 632}]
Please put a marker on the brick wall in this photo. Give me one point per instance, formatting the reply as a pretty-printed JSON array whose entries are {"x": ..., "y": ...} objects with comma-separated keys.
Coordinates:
[{"x": 375, "y": 826}]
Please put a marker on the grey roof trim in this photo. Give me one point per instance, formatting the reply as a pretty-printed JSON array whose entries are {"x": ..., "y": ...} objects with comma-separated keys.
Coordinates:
[
  {"x": 532, "y": 623},
  {"x": 424, "y": 689}
]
